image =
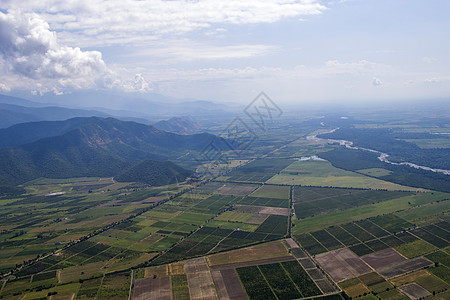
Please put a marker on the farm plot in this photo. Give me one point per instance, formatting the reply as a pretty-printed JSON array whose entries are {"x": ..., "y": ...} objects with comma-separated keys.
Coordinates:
[
  {"x": 383, "y": 258},
  {"x": 152, "y": 288},
  {"x": 343, "y": 236},
  {"x": 228, "y": 285},
  {"x": 311, "y": 201},
  {"x": 236, "y": 189},
  {"x": 392, "y": 223},
  {"x": 286, "y": 280},
  {"x": 438, "y": 231},
  {"x": 255, "y": 284},
  {"x": 262, "y": 210},
  {"x": 343, "y": 264},
  {"x": 281, "y": 284},
  {"x": 272, "y": 191},
  {"x": 201, "y": 242},
  {"x": 274, "y": 225},
  {"x": 374, "y": 229},
  {"x": 201, "y": 285},
  {"x": 358, "y": 232},
  {"x": 390, "y": 264},
  {"x": 310, "y": 244},
  {"x": 327, "y": 240},
  {"x": 322, "y": 173},
  {"x": 416, "y": 248},
  {"x": 440, "y": 257},
  {"x": 180, "y": 287},
  {"x": 262, "y": 201},
  {"x": 425, "y": 279},
  {"x": 414, "y": 291},
  {"x": 259, "y": 170},
  {"x": 264, "y": 251},
  {"x": 354, "y": 287},
  {"x": 430, "y": 238}
]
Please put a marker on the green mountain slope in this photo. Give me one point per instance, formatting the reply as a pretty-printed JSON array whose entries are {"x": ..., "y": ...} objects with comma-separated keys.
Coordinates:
[{"x": 103, "y": 148}]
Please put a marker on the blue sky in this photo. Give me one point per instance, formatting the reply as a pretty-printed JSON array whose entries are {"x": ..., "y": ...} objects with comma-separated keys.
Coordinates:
[{"x": 296, "y": 51}]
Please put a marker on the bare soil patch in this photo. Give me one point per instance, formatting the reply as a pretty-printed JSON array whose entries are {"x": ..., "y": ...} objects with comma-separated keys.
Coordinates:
[
  {"x": 404, "y": 267},
  {"x": 228, "y": 285},
  {"x": 257, "y": 252},
  {"x": 291, "y": 243},
  {"x": 343, "y": 264},
  {"x": 278, "y": 211},
  {"x": 383, "y": 258},
  {"x": 414, "y": 291},
  {"x": 201, "y": 285},
  {"x": 152, "y": 288}
]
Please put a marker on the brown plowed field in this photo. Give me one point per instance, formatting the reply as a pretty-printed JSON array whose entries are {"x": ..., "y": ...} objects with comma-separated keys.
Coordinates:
[
  {"x": 383, "y": 258},
  {"x": 343, "y": 264},
  {"x": 228, "y": 285},
  {"x": 201, "y": 285},
  {"x": 414, "y": 291},
  {"x": 152, "y": 288}
]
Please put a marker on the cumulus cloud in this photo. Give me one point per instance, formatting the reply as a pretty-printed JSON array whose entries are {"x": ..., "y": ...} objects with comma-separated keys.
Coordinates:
[
  {"x": 376, "y": 82},
  {"x": 29, "y": 48},
  {"x": 112, "y": 22},
  {"x": 4, "y": 87}
]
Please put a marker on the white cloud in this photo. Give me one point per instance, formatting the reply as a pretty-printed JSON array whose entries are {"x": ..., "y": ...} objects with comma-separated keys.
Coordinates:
[
  {"x": 32, "y": 57},
  {"x": 101, "y": 22},
  {"x": 185, "y": 50},
  {"x": 4, "y": 87},
  {"x": 30, "y": 49},
  {"x": 376, "y": 82}
]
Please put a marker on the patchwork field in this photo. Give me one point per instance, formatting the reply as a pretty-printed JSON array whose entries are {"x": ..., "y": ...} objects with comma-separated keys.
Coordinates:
[{"x": 283, "y": 226}]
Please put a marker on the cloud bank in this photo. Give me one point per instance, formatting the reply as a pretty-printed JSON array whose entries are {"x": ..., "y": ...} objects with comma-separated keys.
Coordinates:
[
  {"x": 29, "y": 49},
  {"x": 100, "y": 22}
]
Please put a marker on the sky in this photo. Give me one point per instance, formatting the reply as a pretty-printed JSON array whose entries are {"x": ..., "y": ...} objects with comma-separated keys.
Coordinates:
[{"x": 297, "y": 51}]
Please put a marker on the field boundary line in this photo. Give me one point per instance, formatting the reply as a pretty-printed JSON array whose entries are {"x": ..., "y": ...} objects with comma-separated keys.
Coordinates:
[
  {"x": 219, "y": 242},
  {"x": 100, "y": 286},
  {"x": 290, "y": 278},
  {"x": 267, "y": 282},
  {"x": 317, "y": 266},
  {"x": 131, "y": 284}
]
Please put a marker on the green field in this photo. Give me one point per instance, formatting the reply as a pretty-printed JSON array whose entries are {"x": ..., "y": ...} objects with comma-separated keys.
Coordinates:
[{"x": 322, "y": 173}]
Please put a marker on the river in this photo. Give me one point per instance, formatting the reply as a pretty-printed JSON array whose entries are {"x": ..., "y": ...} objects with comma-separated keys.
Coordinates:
[{"x": 384, "y": 157}]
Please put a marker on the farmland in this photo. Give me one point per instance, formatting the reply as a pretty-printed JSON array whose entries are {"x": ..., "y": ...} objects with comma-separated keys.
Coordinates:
[{"x": 277, "y": 226}]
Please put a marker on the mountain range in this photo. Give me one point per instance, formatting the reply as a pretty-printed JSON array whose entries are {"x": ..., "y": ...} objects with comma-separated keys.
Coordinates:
[{"x": 88, "y": 147}]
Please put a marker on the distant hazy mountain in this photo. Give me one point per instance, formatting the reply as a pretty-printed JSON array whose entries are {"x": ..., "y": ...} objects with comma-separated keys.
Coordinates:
[
  {"x": 21, "y": 102},
  {"x": 148, "y": 104},
  {"x": 99, "y": 147},
  {"x": 182, "y": 125},
  {"x": 26, "y": 133},
  {"x": 154, "y": 173},
  {"x": 8, "y": 118},
  {"x": 11, "y": 114}
]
